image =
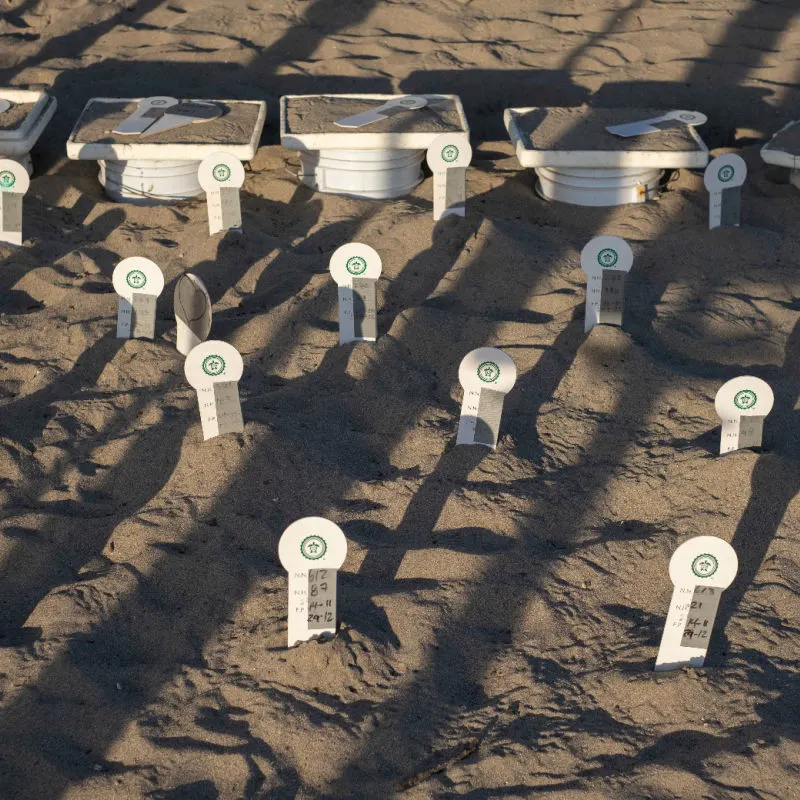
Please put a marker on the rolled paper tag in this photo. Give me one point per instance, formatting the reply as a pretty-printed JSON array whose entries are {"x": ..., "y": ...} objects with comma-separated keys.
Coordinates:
[
  {"x": 192, "y": 312},
  {"x": 138, "y": 282},
  {"x": 723, "y": 179},
  {"x": 222, "y": 175},
  {"x": 189, "y": 113},
  {"x": 214, "y": 368},
  {"x": 487, "y": 375},
  {"x": 4, "y": 106},
  {"x": 448, "y": 157},
  {"x": 672, "y": 119},
  {"x": 396, "y": 105},
  {"x": 14, "y": 182},
  {"x": 700, "y": 570},
  {"x": 312, "y": 550},
  {"x": 606, "y": 260},
  {"x": 356, "y": 268},
  {"x": 147, "y": 112},
  {"x": 741, "y": 404}
]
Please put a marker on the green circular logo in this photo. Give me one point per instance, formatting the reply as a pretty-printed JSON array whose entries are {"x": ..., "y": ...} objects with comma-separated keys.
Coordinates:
[
  {"x": 136, "y": 279},
  {"x": 449, "y": 153},
  {"x": 408, "y": 101},
  {"x": 213, "y": 365},
  {"x": 488, "y": 372},
  {"x": 687, "y": 117},
  {"x": 158, "y": 102},
  {"x": 745, "y": 399},
  {"x": 221, "y": 172},
  {"x": 356, "y": 265},
  {"x": 705, "y": 566},
  {"x": 607, "y": 257},
  {"x": 726, "y": 173},
  {"x": 313, "y": 547},
  {"x": 7, "y": 179}
]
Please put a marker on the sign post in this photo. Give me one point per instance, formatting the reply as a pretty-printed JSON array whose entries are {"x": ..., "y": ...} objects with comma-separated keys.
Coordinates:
[
  {"x": 487, "y": 375},
  {"x": 448, "y": 157},
  {"x": 222, "y": 175},
  {"x": 356, "y": 268},
  {"x": 741, "y": 404},
  {"x": 138, "y": 281},
  {"x": 312, "y": 550},
  {"x": 606, "y": 260},
  {"x": 700, "y": 570}
]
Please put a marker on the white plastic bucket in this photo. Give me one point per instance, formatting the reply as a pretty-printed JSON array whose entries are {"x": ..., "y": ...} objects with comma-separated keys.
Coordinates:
[
  {"x": 150, "y": 182},
  {"x": 25, "y": 160},
  {"x": 598, "y": 186},
  {"x": 377, "y": 174}
]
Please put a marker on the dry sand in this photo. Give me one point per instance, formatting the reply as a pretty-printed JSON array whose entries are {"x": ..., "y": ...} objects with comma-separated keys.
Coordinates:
[
  {"x": 14, "y": 116},
  {"x": 500, "y": 611}
]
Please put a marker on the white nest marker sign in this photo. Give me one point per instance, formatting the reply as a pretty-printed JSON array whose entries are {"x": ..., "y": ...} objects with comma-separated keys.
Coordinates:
[
  {"x": 222, "y": 175},
  {"x": 487, "y": 375},
  {"x": 700, "y": 570},
  {"x": 606, "y": 260},
  {"x": 448, "y": 157},
  {"x": 192, "y": 312},
  {"x": 723, "y": 179},
  {"x": 214, "y": 368},
  {"x": 14, "y": 182},
  {"x": 356, "y": 268},
  {"x": 672, "y": 119},
  {"x": 312, "y": 550},
  {"x": 741, "y": 404},
  {"x": 138, "y": 281}
]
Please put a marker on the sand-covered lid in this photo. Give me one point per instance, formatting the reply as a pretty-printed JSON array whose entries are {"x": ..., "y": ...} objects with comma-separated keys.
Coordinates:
[
  {"x": 24, "y": 114},
  {"x": 784, "y": 147},
  {"x": 237, "y": 131},
  {"x": 577, "y": 137},
  {"x": 308, "y": 122}
]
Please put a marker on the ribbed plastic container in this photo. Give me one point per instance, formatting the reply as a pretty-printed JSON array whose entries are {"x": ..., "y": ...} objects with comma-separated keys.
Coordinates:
[
  {"x": 376, "y": 174},
  {"x": 598, "y": 187},
  {"x": 25, "y": 160},
  {"x": 150, "y": 182}
]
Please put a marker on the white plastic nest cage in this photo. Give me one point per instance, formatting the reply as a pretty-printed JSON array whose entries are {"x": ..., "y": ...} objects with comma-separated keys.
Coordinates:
[
  {"x": 381, "y": 160},
  {"x": 17, "y": 138},
  {"x": 578, "y": 162},
  {"x": 162, "y": 169},
  {"x": 783, "y": 150}
]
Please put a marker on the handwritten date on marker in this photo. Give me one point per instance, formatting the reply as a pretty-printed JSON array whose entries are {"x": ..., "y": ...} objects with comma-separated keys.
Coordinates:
[
  {"x": 448, "y": 157},
  {"x": 14, "y": 182},
  {"x": 312, "y": 550},
  {"x": 356, "y": 268},
  {"x": 741, "y": 404},
  {"x": 222, "y": 175},
  {"x": 214, "y": 368},
  {"x": 192, "y": 312},
  {"x": 487, "y": 375},
  {"x": 724, "y": 178},
  {"x": 138, "y": 282},
  {"x": 606, "y": 260},
  {"x": 700, "y": 570}
]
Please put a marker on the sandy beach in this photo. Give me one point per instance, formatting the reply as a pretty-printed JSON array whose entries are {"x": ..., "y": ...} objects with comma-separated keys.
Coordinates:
[{"x": 499, "y": 610}]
